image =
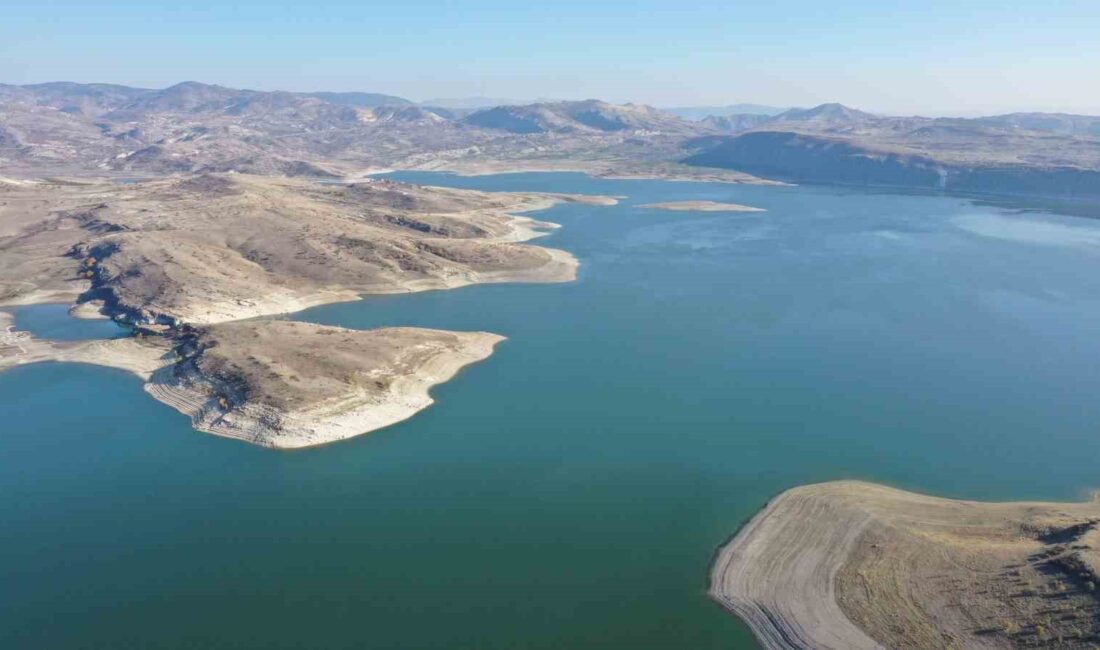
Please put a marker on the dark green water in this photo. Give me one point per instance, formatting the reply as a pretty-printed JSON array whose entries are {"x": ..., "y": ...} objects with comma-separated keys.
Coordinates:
[{"x": 568, "y": 492}]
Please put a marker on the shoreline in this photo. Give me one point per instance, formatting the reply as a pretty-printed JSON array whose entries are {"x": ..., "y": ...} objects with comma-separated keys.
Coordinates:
[
  {"x": 807, "y": 617},
  {"x": 608, "y": 169},
  {"x": 19, "y": 347},
  {"x": 850, "y": 564},
  {"x": 343, "y": 417},
  {"x": 557, "y": 266},
  {"x": 330, "y": 407}
]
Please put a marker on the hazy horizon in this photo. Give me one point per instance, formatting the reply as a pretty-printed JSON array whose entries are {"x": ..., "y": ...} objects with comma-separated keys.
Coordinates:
[{"x": 945, "y": 58}]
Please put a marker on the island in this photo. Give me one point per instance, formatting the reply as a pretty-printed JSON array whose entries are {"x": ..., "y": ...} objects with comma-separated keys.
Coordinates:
[
  {"x": 198, "y": 265},
  {"x": 850, "y": 565},
  {"x": 701, "y": 206}
]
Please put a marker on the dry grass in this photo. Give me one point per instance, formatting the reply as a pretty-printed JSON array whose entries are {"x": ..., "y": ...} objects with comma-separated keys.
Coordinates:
[{"x": 851, "y": 564}]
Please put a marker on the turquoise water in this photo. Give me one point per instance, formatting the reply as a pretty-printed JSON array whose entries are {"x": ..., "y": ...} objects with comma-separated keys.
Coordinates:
[
  {"x": 52, "y": 321},
  {"x": 568, "y": 492}
]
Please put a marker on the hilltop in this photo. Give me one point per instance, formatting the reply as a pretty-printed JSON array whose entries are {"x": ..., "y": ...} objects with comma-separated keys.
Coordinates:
[{"x": 200, "y": 128}]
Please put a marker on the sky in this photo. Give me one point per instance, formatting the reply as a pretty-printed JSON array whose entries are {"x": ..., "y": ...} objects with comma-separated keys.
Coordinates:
[{"x": 957, "y": 57}]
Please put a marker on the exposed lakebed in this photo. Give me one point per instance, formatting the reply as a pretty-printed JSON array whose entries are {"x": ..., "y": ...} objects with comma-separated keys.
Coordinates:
[{"x": 569, "y": 491}]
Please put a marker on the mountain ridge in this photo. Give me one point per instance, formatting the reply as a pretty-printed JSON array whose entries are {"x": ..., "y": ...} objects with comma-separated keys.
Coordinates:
[{"x": 196, "y": 127}]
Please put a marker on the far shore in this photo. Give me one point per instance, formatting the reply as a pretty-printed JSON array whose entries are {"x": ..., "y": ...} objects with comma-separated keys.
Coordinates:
[
  {"x": 701, "y": 206},
  {"x": 609, "y": 169}
]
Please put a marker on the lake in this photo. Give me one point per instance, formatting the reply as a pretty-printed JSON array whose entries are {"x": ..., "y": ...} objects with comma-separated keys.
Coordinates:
[{"x": 568, "y": 492}]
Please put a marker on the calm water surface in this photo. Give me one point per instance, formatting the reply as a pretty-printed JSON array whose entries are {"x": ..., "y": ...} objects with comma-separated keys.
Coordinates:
[
  {"x": 568, "y": 492},
  {"x": 52, "y": 321}
]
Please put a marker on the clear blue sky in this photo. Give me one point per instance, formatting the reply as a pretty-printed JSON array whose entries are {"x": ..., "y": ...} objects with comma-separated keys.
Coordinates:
[{"x": 935, "y": 56}]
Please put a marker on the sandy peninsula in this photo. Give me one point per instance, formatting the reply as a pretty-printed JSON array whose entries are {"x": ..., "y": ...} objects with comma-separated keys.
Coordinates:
[
  {"x": 850, "y": 565},
  {"x": 701, "y": 206},
  {"x": 198, "y": 264}
]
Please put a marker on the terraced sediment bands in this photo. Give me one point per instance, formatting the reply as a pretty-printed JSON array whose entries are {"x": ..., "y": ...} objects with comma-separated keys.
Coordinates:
[
  {"x": 287, "y": 384},
  {"x": 857, "y": 565}
]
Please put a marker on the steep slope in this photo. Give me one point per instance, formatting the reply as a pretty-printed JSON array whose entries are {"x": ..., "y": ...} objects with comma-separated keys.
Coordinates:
[{"x": 820, "y": 159}]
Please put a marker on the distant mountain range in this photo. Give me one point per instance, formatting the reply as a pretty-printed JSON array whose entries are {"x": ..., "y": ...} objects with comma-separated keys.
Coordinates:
[
  {"x": 193, "y": 127},
  {"x": 1020, "y": 153}
]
